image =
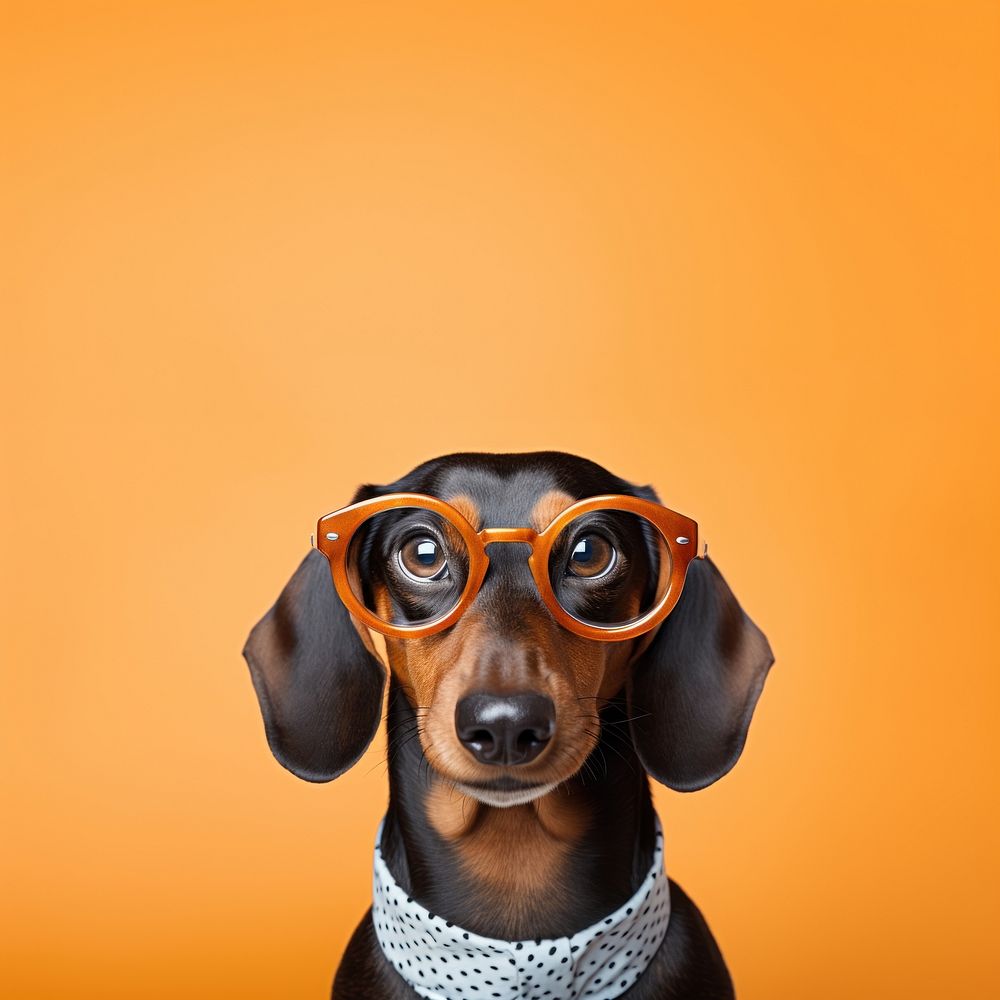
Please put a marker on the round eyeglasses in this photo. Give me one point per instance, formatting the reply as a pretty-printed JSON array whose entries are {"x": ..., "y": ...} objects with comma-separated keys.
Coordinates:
[{"x": 607, "y": 567}]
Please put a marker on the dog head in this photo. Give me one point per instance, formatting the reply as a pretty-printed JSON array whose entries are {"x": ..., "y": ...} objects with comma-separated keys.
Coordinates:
[{"x": 507, "y": 700}]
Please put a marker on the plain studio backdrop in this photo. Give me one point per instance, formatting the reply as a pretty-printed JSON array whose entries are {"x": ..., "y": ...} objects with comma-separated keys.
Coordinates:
[{"x": 256, "y": 254}]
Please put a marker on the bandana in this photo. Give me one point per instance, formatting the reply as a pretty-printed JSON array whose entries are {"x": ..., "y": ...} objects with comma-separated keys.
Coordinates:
[{"x": 441, "y": 961}]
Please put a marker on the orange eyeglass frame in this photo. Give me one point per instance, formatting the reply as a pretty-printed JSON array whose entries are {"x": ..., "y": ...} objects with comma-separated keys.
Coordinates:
[{"x": 335, "y": 531}]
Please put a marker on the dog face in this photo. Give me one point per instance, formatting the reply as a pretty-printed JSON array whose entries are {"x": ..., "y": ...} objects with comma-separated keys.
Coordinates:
[{"x": 507, "y": 700}]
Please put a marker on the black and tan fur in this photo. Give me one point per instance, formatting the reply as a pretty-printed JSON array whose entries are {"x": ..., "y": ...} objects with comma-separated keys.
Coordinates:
[{"x": 674, "y": 704}]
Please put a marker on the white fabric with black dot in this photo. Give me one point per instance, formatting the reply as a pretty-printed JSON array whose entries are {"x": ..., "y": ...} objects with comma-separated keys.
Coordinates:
[{"x": 444, "y": 962}]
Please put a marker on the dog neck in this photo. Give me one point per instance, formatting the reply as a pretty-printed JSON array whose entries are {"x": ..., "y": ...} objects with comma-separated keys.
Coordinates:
[{"x": 543, "y": 869}]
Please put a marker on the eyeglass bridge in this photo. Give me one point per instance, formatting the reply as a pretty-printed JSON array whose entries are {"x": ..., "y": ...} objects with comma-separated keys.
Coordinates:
[{"x": 489, "y": 535}]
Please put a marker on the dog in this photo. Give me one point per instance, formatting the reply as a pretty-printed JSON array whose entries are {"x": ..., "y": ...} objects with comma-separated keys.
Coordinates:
[{"x": 519, "y": 743}]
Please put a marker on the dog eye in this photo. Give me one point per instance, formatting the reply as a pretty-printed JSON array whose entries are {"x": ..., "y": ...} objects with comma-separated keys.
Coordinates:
[
  {"x": 423, "y": 559},
  {"x": 592, "y": 556}
]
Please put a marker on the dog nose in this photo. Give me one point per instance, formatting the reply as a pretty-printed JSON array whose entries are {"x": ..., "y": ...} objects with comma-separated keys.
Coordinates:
[{"x": 505, "y": 728}]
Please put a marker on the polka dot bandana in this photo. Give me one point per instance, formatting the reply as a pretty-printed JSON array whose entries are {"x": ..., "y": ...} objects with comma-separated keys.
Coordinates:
[{"x": 444, "y": 962}]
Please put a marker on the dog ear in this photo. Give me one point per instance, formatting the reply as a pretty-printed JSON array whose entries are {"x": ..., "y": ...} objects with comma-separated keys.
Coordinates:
[
  {"x": 319, "y": 686},
  {"x": 693, "y": 690}
]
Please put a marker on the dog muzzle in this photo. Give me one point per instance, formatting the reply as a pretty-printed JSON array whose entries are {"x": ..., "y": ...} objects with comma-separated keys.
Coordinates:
[{"x": 441, "y": 961}]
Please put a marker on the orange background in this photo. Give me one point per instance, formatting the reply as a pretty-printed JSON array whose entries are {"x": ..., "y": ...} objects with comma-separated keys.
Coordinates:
[{"x": 256, "y": 254}]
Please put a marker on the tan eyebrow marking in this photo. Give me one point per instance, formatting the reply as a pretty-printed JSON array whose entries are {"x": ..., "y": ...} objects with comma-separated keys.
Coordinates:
[
  {"x": 466, "y": 506},
  {"x": 548, "y": 506}
]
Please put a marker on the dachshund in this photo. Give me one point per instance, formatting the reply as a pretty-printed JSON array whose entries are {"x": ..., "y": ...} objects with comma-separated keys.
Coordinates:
[{"x": 519, "y": 749}]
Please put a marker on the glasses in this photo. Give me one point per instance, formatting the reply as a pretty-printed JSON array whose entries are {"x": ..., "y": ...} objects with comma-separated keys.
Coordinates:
[{"x": 607, "y": 567}]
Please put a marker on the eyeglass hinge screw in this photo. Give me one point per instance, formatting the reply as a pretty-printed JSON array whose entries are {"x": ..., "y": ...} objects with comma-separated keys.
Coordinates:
[
  {"x": 332, "y": 536},
  {"x": 683, "y": 540}
]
